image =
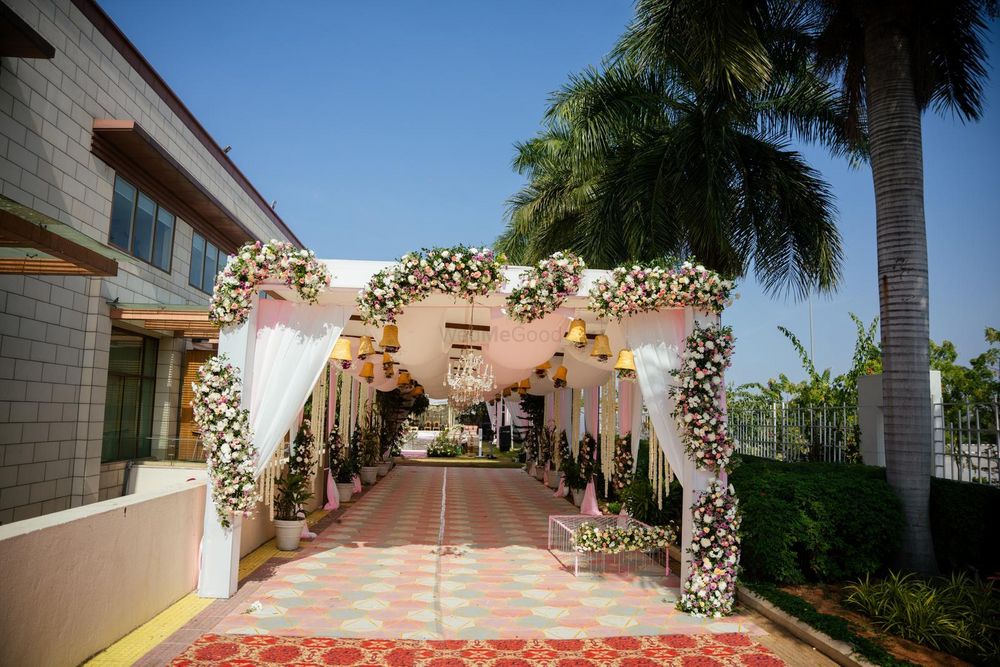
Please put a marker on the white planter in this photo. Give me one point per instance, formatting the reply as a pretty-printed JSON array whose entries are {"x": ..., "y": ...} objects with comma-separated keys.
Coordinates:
[
  {"x": 554, "y": 479},
  {"x": 539, "y": 473},
  {"x": 369, "y": 474},
  {"x": 530, "y": 468},
  {"x": 345, "y": 490},
  {"x": 578, "y": 496},
  {"x": 384, "y": 468},
  {"x": 287, "y": 534}
]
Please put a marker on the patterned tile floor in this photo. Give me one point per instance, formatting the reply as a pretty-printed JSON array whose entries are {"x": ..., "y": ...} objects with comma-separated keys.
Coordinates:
[{"x": 379, "y": 572}]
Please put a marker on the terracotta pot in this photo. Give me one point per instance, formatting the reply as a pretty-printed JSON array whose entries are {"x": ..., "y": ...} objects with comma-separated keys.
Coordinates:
[
  {"x": 287, "y": 534},
  {"x": 578, "y": 496},
  {"x": 345, "y": 490},
  {"x": 369, "y": 474}
]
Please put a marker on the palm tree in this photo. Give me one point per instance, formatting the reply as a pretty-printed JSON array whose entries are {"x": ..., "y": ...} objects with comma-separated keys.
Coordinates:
[
  {"x": 648, "y": 158},
  {"x": 890, "y": 61}
]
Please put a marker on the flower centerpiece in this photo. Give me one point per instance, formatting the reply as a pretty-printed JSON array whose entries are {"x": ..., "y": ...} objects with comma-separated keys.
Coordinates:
[
  {"x": 710, "y": 588},
  {"x": 226, "y": 436},
  {"x": 545, "y": 286},
  {"x": 641, "y": 289},
  {"x": 697, "y": 396},
  {"x": 623, "y": 463},
  {"x": 589, "y": 538},
  {"x": 462, "y": 271},
  {"x": 256, "y": 262}
]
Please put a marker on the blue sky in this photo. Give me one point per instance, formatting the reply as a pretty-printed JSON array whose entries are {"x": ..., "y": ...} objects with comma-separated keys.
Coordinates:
[{"x": 383, "y": 127}]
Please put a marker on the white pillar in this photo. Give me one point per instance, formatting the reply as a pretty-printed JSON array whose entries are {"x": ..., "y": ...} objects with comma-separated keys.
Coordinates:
[{"x": 218, "y": 573}]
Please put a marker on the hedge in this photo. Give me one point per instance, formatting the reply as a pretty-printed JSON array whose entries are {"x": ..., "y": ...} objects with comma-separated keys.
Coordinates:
[
  {"x": 815, "y": 521},
  {"x": 964, "y": 526}
]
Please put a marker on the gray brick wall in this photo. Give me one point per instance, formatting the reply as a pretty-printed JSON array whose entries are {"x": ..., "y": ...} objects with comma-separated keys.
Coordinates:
[{"x": 55, "y": 331}]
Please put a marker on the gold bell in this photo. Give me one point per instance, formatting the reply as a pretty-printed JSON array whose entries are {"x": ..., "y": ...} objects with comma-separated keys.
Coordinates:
[
  {"x": 342, "y": 353},
  {"x": 387, "y": 364},
  {"x": 365, "y": 347},
  {"x": 418, "y": 390},
  {"x": 542, "y": 370},
  {"x": 404, "y": 379},
  {"x": 602, "y": 348},
  {"x": 390, "y": 338},
  {"x": 523, "y": 386},
  {"x": 577, "y": 333},
  {"x": 368, "y": 372},
  {"x": 506, "y": 392},
  {"x": 625, "y": 362},
  {"x": 559, "y": 378}
]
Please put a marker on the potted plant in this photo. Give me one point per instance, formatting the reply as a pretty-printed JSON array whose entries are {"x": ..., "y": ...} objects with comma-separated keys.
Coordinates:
[
  {"x": 291, "y": 493},
  {"x": 586, "y": 466},
  {"x": 573, "y": 480},
  {"x": 341, "y": 469},
  {"x": 370, "y": 454}
]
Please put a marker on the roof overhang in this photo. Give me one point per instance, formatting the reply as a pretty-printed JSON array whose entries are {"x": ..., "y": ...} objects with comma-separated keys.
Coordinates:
[
  {"x": 33, "y": 243},
  {"x": 179, "y": 321},
  {"x": 127, "y": 147},
  {"x": 20, "y": 40}
]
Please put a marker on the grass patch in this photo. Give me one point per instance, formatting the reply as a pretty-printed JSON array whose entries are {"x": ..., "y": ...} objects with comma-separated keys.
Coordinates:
[{"x": 832, "y": 626}]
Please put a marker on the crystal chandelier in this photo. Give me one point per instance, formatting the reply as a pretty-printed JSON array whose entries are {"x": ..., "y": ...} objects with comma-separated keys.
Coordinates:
[{"x": 469, "y": 379}]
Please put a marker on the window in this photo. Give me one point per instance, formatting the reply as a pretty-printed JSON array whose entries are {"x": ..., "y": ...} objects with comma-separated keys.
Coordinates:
[
  {"x": 206, "y": 262},
  {"x": 128, "y": 408},
  {"x": 139, "y": 226}
]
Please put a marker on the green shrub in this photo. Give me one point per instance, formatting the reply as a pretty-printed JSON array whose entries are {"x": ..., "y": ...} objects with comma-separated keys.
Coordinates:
[
  {"x": 815, "y": 521},
  {"x": 443, "y": 447},
  {"x": 638, "y": 496},
  {"x": 964, "y": 537},
  {"x": 833, "y": 626},
  {"x": 958, "y": 614}
]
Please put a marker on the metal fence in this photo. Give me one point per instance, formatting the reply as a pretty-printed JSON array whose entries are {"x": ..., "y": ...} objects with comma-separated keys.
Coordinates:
[
  {"x": 965, "y": 442},
  {"x": 791, "y": 433}
]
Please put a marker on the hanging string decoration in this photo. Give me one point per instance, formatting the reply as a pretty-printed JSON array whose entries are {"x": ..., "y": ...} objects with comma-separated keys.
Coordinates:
[{"x": 608, "y": 420}]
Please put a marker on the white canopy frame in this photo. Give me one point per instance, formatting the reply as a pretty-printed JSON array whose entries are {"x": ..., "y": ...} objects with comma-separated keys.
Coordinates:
[{"x": 432, "y": 333}]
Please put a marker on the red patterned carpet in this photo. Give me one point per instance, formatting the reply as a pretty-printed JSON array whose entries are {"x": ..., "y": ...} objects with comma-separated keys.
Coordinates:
[{"x": 700, "y": 650}]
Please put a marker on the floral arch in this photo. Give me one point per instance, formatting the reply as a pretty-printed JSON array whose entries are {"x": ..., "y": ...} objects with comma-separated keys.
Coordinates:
[{"x": 273, "y": 351}]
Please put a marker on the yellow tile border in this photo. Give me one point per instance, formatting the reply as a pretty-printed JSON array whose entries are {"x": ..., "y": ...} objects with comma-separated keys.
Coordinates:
[{"x": 146, "y": 637}]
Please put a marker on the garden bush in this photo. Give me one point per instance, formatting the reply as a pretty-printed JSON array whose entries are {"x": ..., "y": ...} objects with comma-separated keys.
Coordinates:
[
  {"x": 965, "y": 538},
  {"x": 814, "y": 521}
]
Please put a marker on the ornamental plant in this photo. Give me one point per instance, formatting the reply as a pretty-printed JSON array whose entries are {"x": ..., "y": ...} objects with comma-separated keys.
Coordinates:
[
  {"x": 253, "y": 264},
  {"x": 227, "y": 438},
  {"x": 302, "y": 457},
  {"x": 339, "y": 458},
  {"x": 589, "y": 538},
  {"x": 461, "y": 271},
  {"x": 564, "y": 453},
  {"x": 710, "y": 588},
  {"x": 641, "y": 289},
  {"x": 585, "y": 458},
  {"x": 698, "y": 396},
  {"x": 545, "y": 286},
  {"x": 546, "y": 440},
  {"x": 622, "y": 474}
]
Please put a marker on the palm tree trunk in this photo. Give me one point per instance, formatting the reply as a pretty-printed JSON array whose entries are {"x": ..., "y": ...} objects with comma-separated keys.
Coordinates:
[{"x": 897, "y": 169}]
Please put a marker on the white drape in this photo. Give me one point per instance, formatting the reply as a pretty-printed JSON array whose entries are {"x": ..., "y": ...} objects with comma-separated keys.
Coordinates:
[
  {"x": 293, "y": 344},
  {"x": 657, "y": 341}
]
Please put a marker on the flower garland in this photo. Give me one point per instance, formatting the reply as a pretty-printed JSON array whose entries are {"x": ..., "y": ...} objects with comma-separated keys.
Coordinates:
[
  {"x": 461, "y": 271},
  {"x": 626, "y": 374},
  {"x": 585, "y": 457},
  {"x": 546, "y": 444},
  {"x": 301, "y": 459},
  {"x": 564, "y": 453},
  {"x": 622, "y": 475},
  {"x": 698, "y": 410},
  {"x": 545, "y": 286},
  {"x": 710, "y": 588},
  {"x": 227, "y": 438},
  {"x": 588, "y": 538},
  {"x": 256, "y": 262},
  {"x": 641, "y": 289}
]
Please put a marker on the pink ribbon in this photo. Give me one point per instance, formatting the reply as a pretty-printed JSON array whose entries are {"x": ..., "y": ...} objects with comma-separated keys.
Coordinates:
[
  {"x": 332, "y": 495},
  {"x": 589, "y": 505},
  {"x": 331, "y": 413},
  {"x": 625, "y": 408},
  {"x": 306, "y": 533},
  {"x": 357, "y": 484},
  {"x": 545, "y": 474},
  {"x": 562, "y": 490}
]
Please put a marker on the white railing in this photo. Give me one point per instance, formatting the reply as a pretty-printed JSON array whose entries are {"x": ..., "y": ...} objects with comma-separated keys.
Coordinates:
[
  {"x": 965, "y": 442},
  {"x": 791, "y": 433}
]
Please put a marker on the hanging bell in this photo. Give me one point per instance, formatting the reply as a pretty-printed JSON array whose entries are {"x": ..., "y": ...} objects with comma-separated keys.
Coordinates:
[
  {"x": 388, "y": 365},
  {"x": 368, "y": 372},
  {"x": 626, "y": 361},
  {"x": 577, "y": 333},
  {"x": 506, "y": 392},
  {"x": 365, "y": 347},
  {"x": 542, "y": 370},
  {"x": 523, "y": 386},
  {"x": 390, "y": 338},
  {"x": 602, "y": 348},
  {"x": 559, "y": 378},
  {"x": 404, "y": 379},
  {"x": 342, "y": 353},
  {"x": 417, "y": 391}
]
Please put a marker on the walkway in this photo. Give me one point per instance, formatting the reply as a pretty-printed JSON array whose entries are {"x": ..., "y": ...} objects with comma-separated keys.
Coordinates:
[{"x": 447, "y": 553}]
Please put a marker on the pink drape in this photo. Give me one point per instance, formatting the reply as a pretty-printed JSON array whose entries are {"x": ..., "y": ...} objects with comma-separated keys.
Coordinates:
[
  {"x": 357, "y": 484},
  {"x": 332, "y": 496},
  {"x": 331, "y": 412},
  {"x": 625, "y": 398},
  {"x": 591, "y": 407}
]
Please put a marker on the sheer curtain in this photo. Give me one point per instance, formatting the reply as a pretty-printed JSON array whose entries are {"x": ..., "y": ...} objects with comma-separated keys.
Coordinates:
[
  {"x": 657, "y": 341},
  {"x": 293, "y": 344}
]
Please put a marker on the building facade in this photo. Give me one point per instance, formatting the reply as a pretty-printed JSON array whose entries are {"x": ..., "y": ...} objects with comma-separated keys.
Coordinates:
[{"x": 117, "y": 209}]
